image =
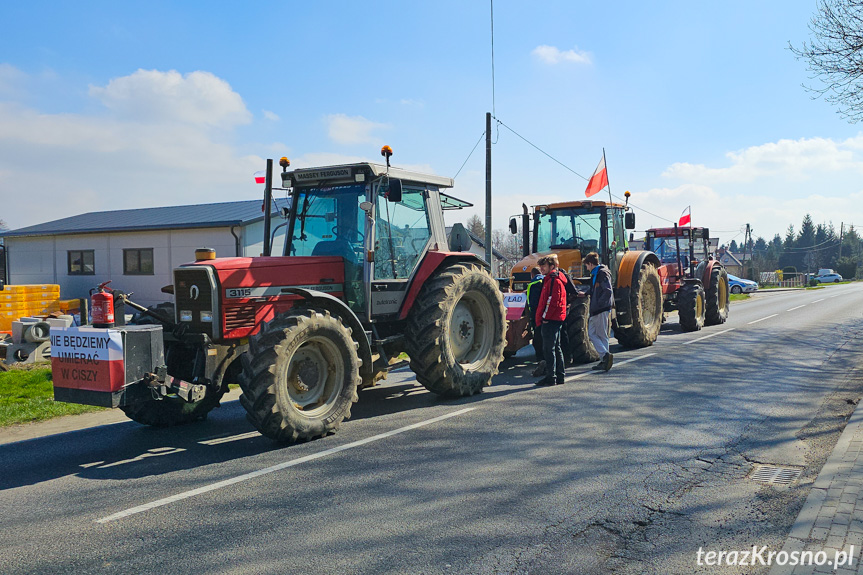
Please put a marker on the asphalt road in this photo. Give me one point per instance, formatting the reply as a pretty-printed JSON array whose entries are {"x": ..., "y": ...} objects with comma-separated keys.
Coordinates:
[{"x": 626, "y": 472}]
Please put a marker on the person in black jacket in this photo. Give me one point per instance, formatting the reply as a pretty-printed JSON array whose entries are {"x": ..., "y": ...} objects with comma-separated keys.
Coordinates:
[{"x": 601, "y": 301}]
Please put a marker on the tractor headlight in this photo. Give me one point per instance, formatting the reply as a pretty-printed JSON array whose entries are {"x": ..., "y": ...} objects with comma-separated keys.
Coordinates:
[
  {"x": 207, "y": 316},
  {"x": 185, "y": 315}
]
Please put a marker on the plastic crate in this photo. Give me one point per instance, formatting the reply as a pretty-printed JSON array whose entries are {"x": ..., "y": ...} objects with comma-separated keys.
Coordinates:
[
  {"x": 14, "y": 306},
  {"x": 42, "y": 296},
  {"x": 67, "y": 305},
  {"x": 43, "y": 307},
  {"x": 12, "y": 297},
  {"x": 47, "y": 288}
]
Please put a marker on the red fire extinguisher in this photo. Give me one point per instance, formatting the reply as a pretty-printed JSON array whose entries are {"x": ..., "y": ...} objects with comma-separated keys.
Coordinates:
[{"x": 102, "y": 306}]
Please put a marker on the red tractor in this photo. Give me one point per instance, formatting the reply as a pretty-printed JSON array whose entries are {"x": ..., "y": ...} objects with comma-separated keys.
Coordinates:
[
  {"x": 693, "y": 283},
  {"x": 365, "y": 274}
]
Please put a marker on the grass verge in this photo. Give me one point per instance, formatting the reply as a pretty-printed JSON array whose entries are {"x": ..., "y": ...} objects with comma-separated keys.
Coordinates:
[
  {"x": 739, "y": 296},
  {"x": 28, "y": 396}
]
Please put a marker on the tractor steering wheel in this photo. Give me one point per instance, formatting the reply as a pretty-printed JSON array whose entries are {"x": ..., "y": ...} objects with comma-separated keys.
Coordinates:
[{"x": 341, "y": 233}]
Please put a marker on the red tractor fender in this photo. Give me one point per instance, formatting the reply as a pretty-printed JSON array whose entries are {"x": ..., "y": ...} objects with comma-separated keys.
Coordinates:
[
  {"x": 432, "y": 261},
  {"x": 706, "y": 269}
]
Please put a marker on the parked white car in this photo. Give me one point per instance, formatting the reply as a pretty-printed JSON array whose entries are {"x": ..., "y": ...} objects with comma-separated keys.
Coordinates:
[{"x": 828, "y": 278}]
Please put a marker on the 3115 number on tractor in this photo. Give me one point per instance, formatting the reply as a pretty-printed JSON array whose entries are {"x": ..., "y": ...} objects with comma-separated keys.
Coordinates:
[{"x": 365, "y": 274}]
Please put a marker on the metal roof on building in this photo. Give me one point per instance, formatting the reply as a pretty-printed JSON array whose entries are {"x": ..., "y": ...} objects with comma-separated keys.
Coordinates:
[{"x": 171, "y": 217}]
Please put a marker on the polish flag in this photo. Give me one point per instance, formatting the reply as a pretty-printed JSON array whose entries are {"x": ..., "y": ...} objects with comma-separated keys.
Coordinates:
[
  {"x": 685, "y": 218},
  {"x": 261, "y": 177},
  {"x": 598, "y": 180}
]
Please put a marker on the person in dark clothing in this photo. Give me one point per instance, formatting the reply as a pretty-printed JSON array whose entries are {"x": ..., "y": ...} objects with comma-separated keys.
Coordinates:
[
  {"x": 601, "y": 302},
  {"x": 550, "y": 317},
  {"x": 534, "y": 289}
]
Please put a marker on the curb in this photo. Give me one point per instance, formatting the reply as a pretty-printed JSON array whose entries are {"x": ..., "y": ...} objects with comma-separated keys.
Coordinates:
[{"x": 822, "y": 524}]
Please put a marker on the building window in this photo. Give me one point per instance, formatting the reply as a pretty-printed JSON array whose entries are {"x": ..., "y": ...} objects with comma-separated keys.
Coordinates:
[
  {"x": 81, "y": 262},
  {"x": 138, "y": 262}
]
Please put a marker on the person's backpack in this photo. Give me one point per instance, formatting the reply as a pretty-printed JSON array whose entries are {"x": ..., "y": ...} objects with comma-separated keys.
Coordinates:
[{"x": 569, "y": 288}]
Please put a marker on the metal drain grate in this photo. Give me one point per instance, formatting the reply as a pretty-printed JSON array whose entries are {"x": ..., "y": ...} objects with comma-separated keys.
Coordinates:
[{"x": 775, "y": 475}]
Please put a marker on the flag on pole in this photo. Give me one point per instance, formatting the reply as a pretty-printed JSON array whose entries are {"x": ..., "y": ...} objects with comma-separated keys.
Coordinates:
[
  {"x": 685, "y": 218},
  {"x": 598, "y": 180},
  {"x": 261, "y": 177}
]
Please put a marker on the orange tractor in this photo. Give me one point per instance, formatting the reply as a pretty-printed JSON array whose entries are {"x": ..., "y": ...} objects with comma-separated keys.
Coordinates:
[
  {"x": 693, "y": 283},
  {"x": 572, "y": 230}
]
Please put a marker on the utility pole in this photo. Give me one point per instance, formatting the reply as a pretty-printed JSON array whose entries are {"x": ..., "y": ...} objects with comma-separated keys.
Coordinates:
[
  {"x": 746, "y": 237},
  {"x": 841, "y": 231},
  {"x": 488, "y": 189}
]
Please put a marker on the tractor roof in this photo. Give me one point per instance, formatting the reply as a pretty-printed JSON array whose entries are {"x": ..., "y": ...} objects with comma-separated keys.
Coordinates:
[
  {"x": 347, "y": 173},
  {"x": 671, "y": 232},
  {"x": 579, "y": 204}
]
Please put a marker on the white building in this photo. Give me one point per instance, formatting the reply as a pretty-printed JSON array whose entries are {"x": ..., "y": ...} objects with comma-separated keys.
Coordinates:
[{"x": 135, "y": 249}]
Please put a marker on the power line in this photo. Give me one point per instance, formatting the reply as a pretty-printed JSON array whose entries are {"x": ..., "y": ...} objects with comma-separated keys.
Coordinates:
[
  {"x": 543, "y": 152},
  {"x": 469, "y": 155}
]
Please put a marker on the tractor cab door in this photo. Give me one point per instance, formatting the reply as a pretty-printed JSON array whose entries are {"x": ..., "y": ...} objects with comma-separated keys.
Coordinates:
[
  {"x": 401, "y": 237},
  {"x": 615, "y": 238}
]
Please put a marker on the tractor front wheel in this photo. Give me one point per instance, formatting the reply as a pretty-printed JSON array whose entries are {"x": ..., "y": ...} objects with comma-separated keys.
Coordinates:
[
  {"x": 456, "y": 331},
  {"x": 580, "y": 348},
  {"x": 302, "y": 377},
  {"x": 690, "y": 307},
  {"x": 718, "y": 296}
]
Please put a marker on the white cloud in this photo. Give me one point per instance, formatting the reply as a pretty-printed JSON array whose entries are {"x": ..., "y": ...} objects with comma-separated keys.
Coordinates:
[
  {"x": 553, "y": 55},
  {"x": 791, "y": 159},
  {"x": 345, "y": 129},
  {"x": 271, "y": 116},
  {"x": 195, "y": 98}
]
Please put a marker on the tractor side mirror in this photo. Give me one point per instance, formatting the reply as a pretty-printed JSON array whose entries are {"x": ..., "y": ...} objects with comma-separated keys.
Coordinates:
[
  {"x": 629, "y": 220},
  {"x": 706, "y": 234},
  {"x": 513, "y": 226},
  {"x": 2, "y": 285},
  {"x": 394, "y": 193}
]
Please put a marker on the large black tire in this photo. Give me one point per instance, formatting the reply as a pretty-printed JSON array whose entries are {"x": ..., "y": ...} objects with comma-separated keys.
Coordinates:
[
  {"x": 690, "y": 307},
  {"x": 717, "y": 296},
  {"x": 645, "y": 299},
  {"x": 172, "y": 411},
  {"x": 457, "y": 331},
  {"x": 304, "y": 372},
  {"x": 580, "y": 348}
]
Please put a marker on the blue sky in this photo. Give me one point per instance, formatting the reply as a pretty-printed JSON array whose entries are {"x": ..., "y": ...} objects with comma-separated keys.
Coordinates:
[{"x": 112, "y": 105}]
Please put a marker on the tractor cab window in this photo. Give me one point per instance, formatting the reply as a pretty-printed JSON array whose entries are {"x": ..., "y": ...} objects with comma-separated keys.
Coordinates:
[
  {"x": 401, "y": 234},
  {"x": 330, "y": 223},
  {"x": 569, "y": 228}
]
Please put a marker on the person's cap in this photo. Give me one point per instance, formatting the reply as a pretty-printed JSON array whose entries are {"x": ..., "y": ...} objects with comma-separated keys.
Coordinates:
[{"x": 538, "y": 277}]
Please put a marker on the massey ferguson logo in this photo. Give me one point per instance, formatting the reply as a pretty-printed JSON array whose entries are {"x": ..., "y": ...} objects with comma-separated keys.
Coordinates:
[{"x": 194, "y": 292}]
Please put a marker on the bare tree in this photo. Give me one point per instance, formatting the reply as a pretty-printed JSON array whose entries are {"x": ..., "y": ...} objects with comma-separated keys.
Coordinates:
[
  {"x": 474, "y": 225},
  {"x": 835, "y": 55}
]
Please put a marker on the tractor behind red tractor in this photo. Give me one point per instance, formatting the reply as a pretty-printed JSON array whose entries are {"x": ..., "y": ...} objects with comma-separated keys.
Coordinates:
[{"x": 693, "y": 283}]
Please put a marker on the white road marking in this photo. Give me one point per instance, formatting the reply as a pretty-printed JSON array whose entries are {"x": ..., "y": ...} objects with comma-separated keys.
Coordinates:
[
  {"x": 708, "y": 336},
  {"x": 155, "y": 452},
  {"x": 817, "y": 300},
  {"x": 837, "y": 295},
  {"x": 798, "y": 307},
  {"x": 762, "y": 319},
  {"x": 239, "y": 437},
  {"x": 586, "y": 373},
  {"x": 279, "y": 467},
  {"x": 86, "y": 465}
]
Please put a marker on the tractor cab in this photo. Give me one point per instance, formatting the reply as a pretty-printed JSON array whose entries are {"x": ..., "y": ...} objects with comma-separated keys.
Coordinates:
[
  {"x": 381, "y": 221},
  {"x": 572, "y": 230}
]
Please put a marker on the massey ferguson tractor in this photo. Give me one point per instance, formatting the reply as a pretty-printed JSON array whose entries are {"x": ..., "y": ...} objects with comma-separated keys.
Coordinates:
[
  {"x": 365, "y": 274},
  {"x": 572, "y": 230},
  {"x": 693, "y": 283}
]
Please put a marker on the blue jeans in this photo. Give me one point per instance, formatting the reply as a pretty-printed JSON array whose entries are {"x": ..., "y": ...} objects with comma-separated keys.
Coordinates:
[{"x": 554, "y": 366}]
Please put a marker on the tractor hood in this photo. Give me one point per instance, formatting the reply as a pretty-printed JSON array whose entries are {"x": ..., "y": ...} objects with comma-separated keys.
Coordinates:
[{"x": 570, "y": 262}]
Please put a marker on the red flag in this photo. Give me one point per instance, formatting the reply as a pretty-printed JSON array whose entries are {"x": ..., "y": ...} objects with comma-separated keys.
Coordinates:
[
  {"x": 598, "y": 180},
  {"x": 261, "y": 177},
  {"x": 685, "y": 218}
]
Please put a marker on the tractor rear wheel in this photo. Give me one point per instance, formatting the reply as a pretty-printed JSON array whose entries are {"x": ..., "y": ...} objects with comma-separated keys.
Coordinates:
[
  {"x": 645, "y": 300},
  {"x": 456, "y": 331},
  {"x": 302, "y": 376},
  {"x": 690, "y": 307},
  {"x": 717, "y": 296},
  {"x": 576, "y": 327}
]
